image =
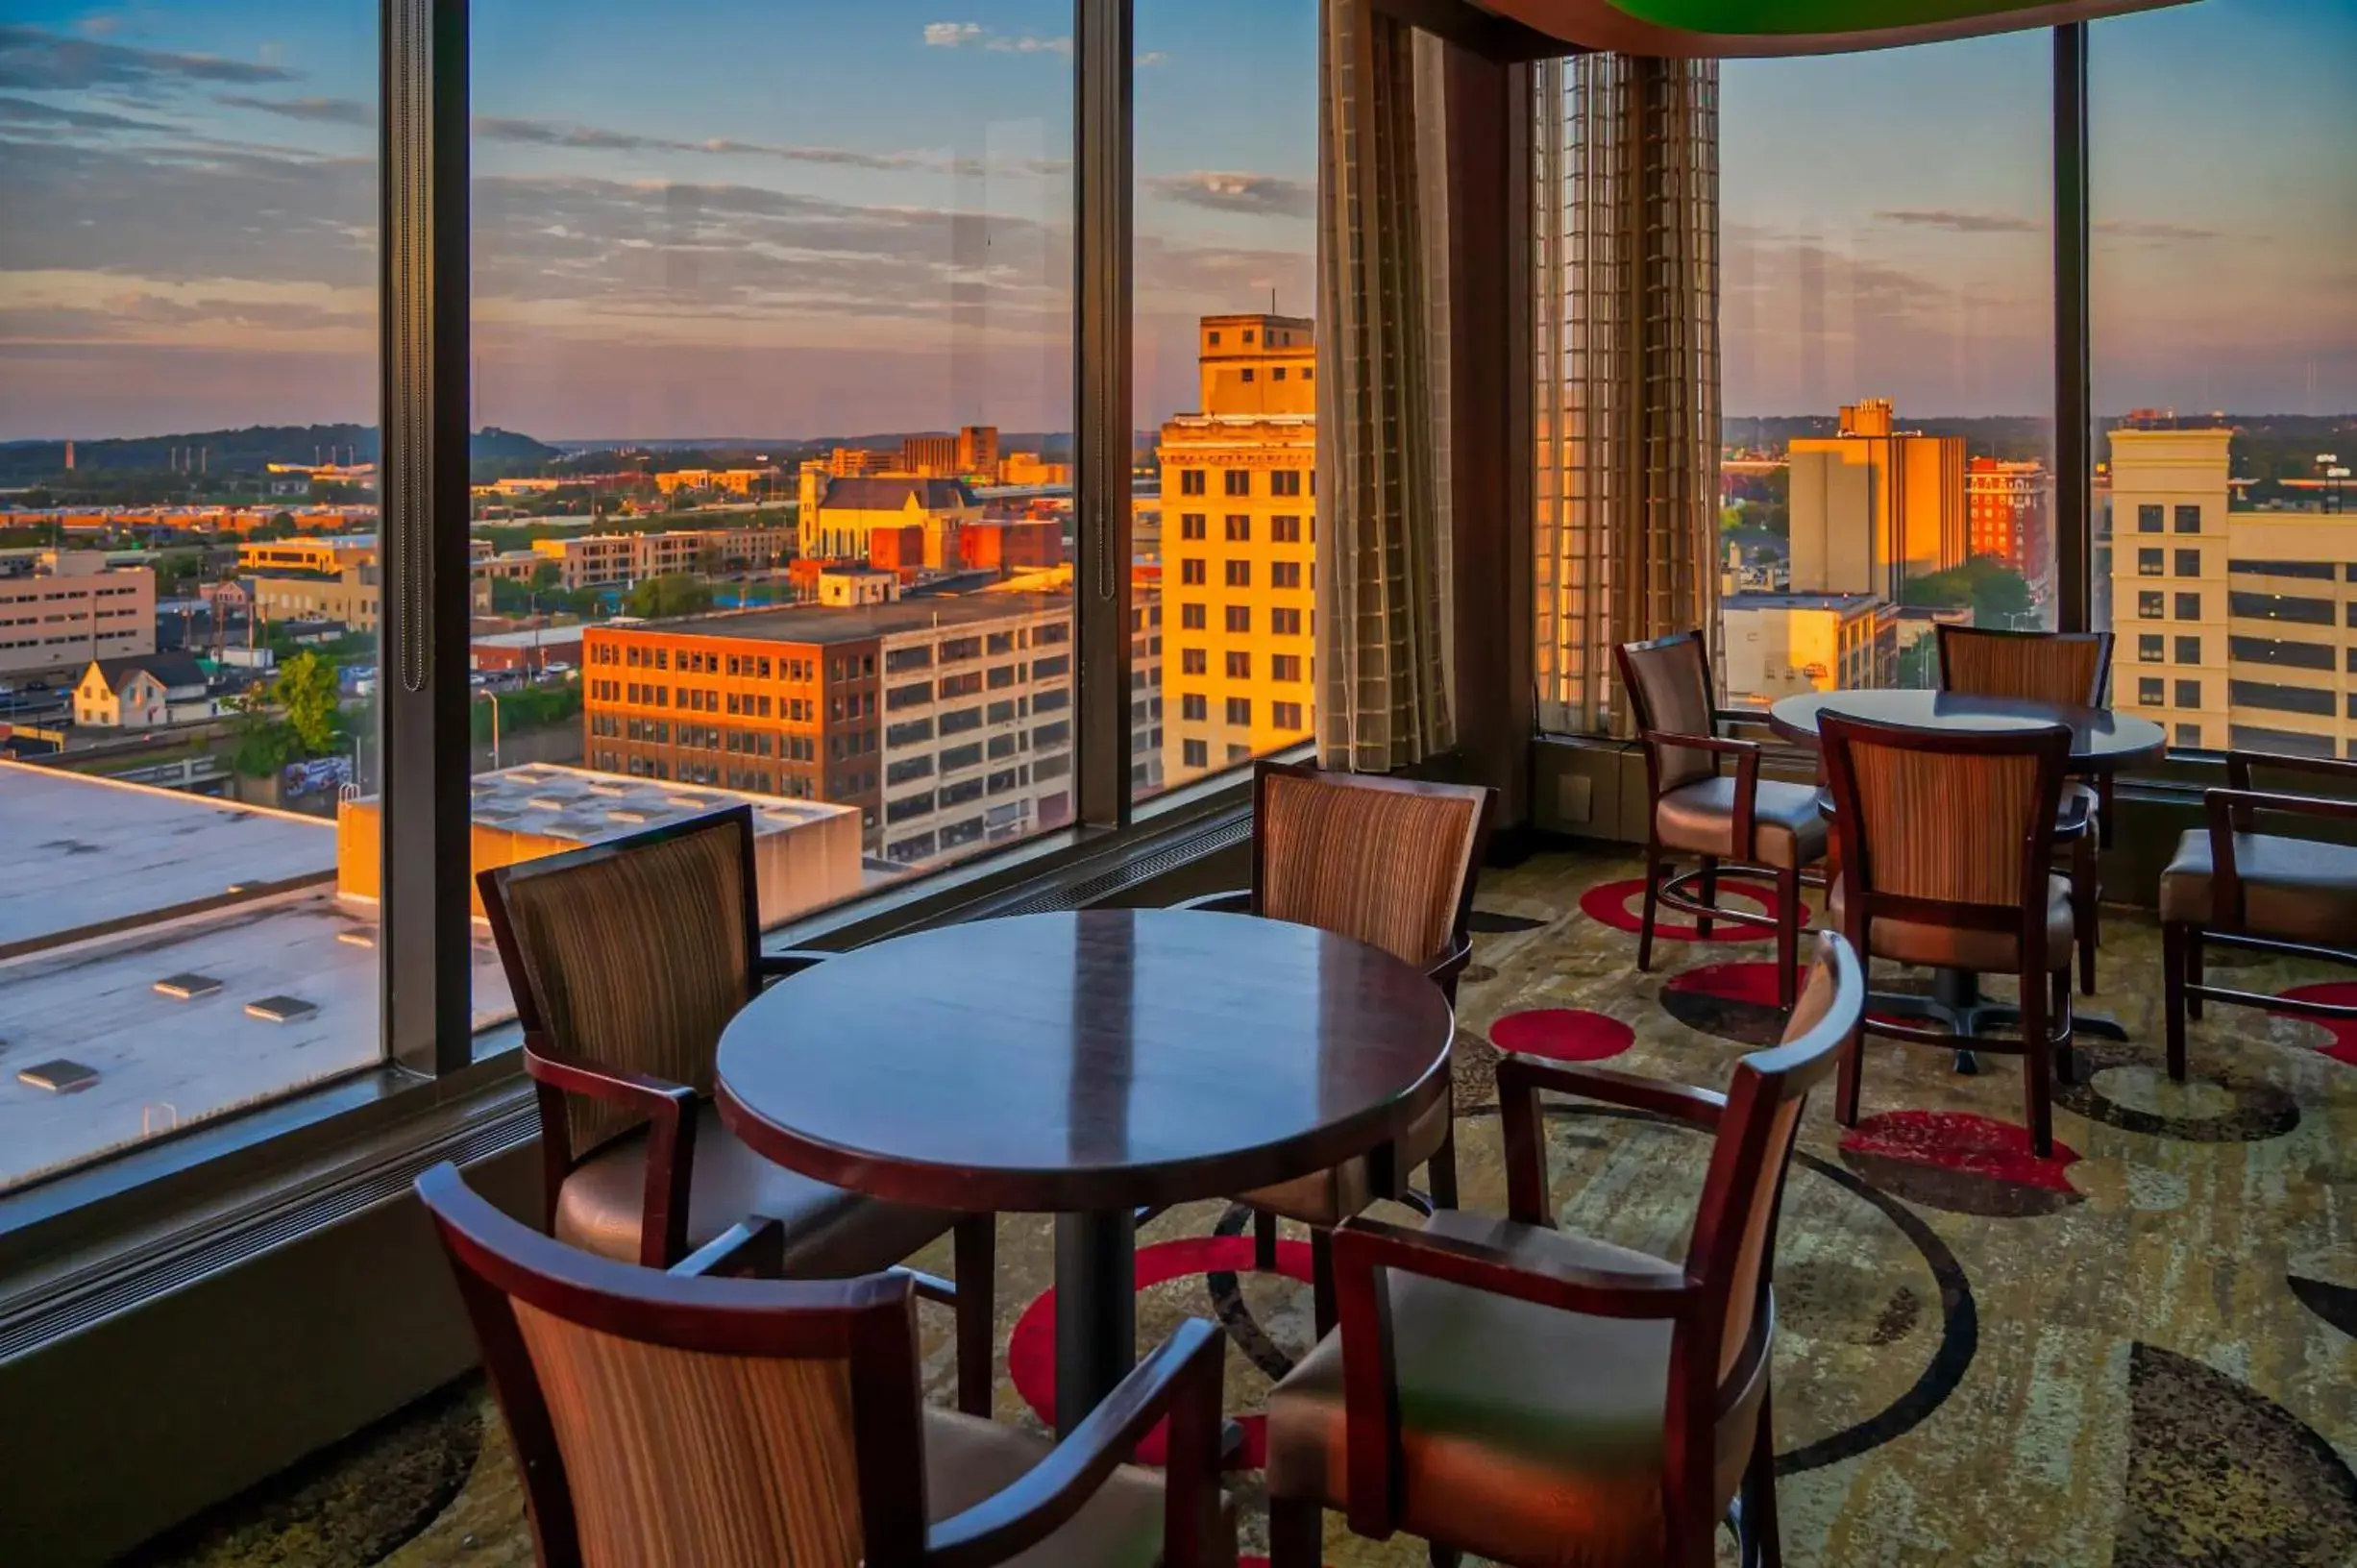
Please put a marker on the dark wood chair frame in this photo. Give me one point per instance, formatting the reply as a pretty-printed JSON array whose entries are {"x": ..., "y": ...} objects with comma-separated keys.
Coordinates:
[
  {"x": 2227, "y": 812},
  {"x": 2086, "y": 885},
  {"x": 2045, "y": 1042},
  {"x": 670, "y": 1109},
  {"x": 1443, "y": 969},
  {"x": 1697, "y": 1304},
  {"x": 716, "y": 1300},
  {"x": 1673, "y": 892}
]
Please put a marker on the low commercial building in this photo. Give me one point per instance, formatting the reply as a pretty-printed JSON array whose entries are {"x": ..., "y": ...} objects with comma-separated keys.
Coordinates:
[
  {"x": 597, "y": 560},
  {"x": 60, "y": 609},
  {"x": 327, "y": 554},
  {"x": 838, "y": 516},
  {"x": 1009, "y": 545},
  {"x": 1782, "y": 644}
]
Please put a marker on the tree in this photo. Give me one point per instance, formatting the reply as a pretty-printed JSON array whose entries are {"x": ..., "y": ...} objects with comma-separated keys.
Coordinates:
[
  {"x": 260, "y": 742},
  {"x": 306, "y": 690},
  {"x": 547, "y": 575},
  {"x": 1997, "y": 594},
  {"x": 660, "y": 598}
]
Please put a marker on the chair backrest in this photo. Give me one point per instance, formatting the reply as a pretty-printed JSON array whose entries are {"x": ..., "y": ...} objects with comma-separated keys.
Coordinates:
[
  {"x": 631, "y": 953},
  {"x": 1668, "y": 682},
  {"x": 703, "y": 1423},
  {"x": 1733, "y": 1246},
  {"x": 1945, "y": 824},
  {"x": 1385, "y": 861},
  {"x": 2066, "y": 668}
]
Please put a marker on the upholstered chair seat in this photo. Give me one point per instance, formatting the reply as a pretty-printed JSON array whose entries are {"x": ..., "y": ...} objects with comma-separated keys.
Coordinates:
[
  {"x": 830, "y": 1231},
  {"x": 1527, "y": 1435},
  {"x": 968, "y": 1459},
  {"x": 1698, "y": 819},
  {"x": 1943, "y": 946},
  {"x": 1329, "y": 1197},
  {"x": 2294, "y": 890}
]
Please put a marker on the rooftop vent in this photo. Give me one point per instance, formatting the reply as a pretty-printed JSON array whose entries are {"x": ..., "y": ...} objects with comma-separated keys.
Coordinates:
[
  {"x": 358, "y": 936},
  {"x": 281, "y": 1009},
  {"x": 187, "y": 987},
  {"x": 626, "y": 814},
  {"x": 59, "y": 1077},
  {"x": 548, "y": 803}
]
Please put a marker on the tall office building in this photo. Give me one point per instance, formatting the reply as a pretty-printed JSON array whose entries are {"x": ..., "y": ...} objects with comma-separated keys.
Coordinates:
[
  {"x": 1238, "y": 548},
  {"x": 2009, "y": 507},
  {"x": 1875, "y": 507},
  {"x": 2235, "y": 628}
]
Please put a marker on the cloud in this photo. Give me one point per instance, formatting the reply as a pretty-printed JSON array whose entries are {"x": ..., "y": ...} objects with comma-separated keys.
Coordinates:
[
  {"x": 1965, "y": 223},
  {"x": 2132, "y": 228},
  {"x": 974, "y": 35},
  {"x": 563, "y": 134},
  {"x": 317, "y": 110},
  {"x": 1259, "y": 194},
  {"x": 32, "y": 57},
  {"x": 26, "y": 112}
]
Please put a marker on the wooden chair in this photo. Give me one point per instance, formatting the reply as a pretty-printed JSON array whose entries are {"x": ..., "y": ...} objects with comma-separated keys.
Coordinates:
[
  {"x": 1947, "y": 843},
  {"x": 2067, "y": 669},
  {"x": 2239, "y": 888},
  {"x": 1736, "y": 823},
  {"x": 1539, "y": 1398},
  {"x": 626, "y": 958},
  {"x": 693, "y": 1420},
  {"x": 1391, "y": 863}
]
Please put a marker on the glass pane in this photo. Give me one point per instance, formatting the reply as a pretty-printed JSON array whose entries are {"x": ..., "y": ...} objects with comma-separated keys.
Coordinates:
[
  {"x": 773, "y": 384},
  {"x": 2225, "y": 370},
  {"x": 1886, "y": 316},
  {"x": 1226, "y": 526},
  {"x": 187, "y": 516}
]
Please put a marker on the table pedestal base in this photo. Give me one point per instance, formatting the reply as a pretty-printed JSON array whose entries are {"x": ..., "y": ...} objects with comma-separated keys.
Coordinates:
[
  {"x": 1096, "y": 1310},
  {"x": 1956, "y": 1001}
]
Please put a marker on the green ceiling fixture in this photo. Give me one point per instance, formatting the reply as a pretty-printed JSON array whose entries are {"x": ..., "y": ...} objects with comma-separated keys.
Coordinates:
[{"x": 1680, "y": 29}]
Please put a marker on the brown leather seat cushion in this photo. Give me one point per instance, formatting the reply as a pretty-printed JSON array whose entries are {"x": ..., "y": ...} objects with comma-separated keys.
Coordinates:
[
  {"x": 1527, "y": 1435},
  {"x": 2295, "y": 889},
  {"x": 968, "y": 1458},
  {"x": 1329, "y": 1197},
  {"x": 1788, "y": 829},
  {"x": 830, "y": 1232},
  {"x": 1952, "y": 947}
]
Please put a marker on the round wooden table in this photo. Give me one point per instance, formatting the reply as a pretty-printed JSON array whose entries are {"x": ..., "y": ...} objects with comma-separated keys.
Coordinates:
[
  {"x": 2102, "y": 742},
  {"x": 1086, "y": 1065}
]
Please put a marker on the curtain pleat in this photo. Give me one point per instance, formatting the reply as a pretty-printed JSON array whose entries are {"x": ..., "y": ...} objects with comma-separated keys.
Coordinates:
[{"x": 1382, "y": 565}]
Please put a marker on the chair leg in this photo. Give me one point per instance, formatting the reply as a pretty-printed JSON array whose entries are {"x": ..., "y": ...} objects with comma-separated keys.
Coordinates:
[
  {"x": 1788, "y": 936},
  {"x": 1296, "y": 1533},
  {"x": 1710, "y": 897},
  {"x": 2037, "y": 1066},
  {"x": 2084, "y": 912},
  {"x": 2192, "y": 972},
  {"x": 1264, "y": 1242},
  {"x": 1442, "y": 1169},
  {"x": 976, "y": 1242},
  {"x": 1321, "y": 1280},
  {"x": 1763, "y": 1545},
  {"x": 1653, "y": 904},
  {"x": 2176, "y": 962},
  {"x": 2066, "y": 1054}
]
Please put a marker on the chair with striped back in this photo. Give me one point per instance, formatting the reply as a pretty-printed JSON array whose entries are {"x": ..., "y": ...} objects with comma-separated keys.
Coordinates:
[
  {"x": 1542, "y": 1397},
  {"x": 626, "y": 958},
  {"x": 695, "y": 1418},
  {"x": 1727, "y": 821},
  {"x": 1391, "y": 863},
  {"x": 1946, "y": 847}
]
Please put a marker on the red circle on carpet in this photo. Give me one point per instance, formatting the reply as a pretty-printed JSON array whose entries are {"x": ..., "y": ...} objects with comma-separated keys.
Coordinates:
[
  {"x": 1561, "y": 1034},
  {"x": 1031, "y": 1348},
  {"x": 2343, "y": 1031},
  {"x": 1620, "y": 905},
  {"x": 1962, "y": 1141}
]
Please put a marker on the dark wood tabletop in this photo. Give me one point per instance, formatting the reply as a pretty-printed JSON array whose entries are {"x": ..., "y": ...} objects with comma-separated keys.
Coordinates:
[
  {"x": 2101, "y": 739},
  {"x": 1085, "y": 1061}
]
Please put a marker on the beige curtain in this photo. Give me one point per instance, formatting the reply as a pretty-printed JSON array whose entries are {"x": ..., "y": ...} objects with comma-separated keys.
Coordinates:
[
  {"x": 1627, "y": 401},
  {"x": 1383, "y": 588}
]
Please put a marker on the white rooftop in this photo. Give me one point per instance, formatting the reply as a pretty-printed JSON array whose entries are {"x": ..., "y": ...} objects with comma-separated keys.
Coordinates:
[{"x": 579, "y": 803}]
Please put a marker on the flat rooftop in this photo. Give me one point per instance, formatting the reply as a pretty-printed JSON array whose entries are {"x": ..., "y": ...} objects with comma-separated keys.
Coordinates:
[
  {"x": 579, "y": 803},
  {"x": 828, "y": 623},
  {"x": 1800, "y": 602},
  {"x": 83, "y": 851}
]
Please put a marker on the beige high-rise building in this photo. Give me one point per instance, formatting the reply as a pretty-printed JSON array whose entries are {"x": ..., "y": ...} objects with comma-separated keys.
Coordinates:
[
  {"x": 1238, "y": 548},
  {"x": 2235, "y": 628},
  {"x": 1875, "y": 507}
]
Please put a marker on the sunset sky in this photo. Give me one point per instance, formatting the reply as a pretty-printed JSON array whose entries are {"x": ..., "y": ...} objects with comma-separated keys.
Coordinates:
[{"x": 805, "y": 219}]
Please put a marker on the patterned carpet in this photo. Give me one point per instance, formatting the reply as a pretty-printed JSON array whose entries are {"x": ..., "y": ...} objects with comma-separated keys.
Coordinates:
[{"x": 2138, "y": 1352}]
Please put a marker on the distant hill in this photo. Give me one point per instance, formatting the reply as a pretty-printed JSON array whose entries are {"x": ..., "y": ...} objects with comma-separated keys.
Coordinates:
[{"x": 245, "y": 451}]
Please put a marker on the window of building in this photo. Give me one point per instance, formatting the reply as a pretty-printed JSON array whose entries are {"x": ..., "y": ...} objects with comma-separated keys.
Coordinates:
[
  {"x": 1195, "y": 753},
  {"x": 1238, "y": 528},
  {"x": 2306, "y": 612},
  {"x": 1237, "y": 481},
  {"x": 1240, "y": 665},
  {"x": 2285, "y": 741},
  {"x": 1193, "y": 572},
  {"x": 2189, "y": 563},
  {"x": 2151, "y": 691},
  {"x": 2189, "y": 650},
  {"x": 2149, "y": 516},
  {"x": 2286, "y": 653},
  {"x": 2189, "y": 735},
  {"x": 1240, "y": 618},
  {"x": 1195, "y": 706},
  {"x": 1285, "y": 622},
  {"x": 1240, "y": 710},
  {"x": 1239, "y": 573},
  {"x": 2311, "y": 570},
  {"x": 2149, "y": 562},
  {"x": 1194, "y": 661},
  {"x": 1285, "y": 574},
  {"x": 2149, "y": 650},
  {"x": 2189, "y": 517},
  {"x": 2278, "y": 699},
  {"x": 1285, "y": 715},
  {"x": 1192, "y": 618},
  {"x": 2152, "y": 606},
  {"x": 1285, "y": 667},
  {"x": 1190, "y": 481},
  {"x": 2189, "y": 694},
  {"x": 2188, "y": 606},
  {"x": 1191, "y": 525},
  {"x": 1285, "y": 531}
]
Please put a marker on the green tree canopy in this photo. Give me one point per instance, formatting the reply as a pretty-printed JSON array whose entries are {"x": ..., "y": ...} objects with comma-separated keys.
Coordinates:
[
  {"x": 306, "y": 692},
  {"x": 660, "y": 598},
  {"x": 1996, "y": 593}
]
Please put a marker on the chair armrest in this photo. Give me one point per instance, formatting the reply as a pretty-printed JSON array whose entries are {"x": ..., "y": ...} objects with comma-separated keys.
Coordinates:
[
  {"x": 2229, "y": 812},
  {"x": 670, "y": 1110},
  {"x": 1443, "y": 970},
  {"x": 754, "y": 1247},
  {"x": 2239, "y": 766},
  {"x": 793, "y": 961},
  {"x": 1747, "y": 776},
  {"x": 1364, "y": 1249},
  {"x": 1520, "y": 1078},
  {"x": 929, "y": 1286},
  {"x": 1234, "y": 901},
  {"x": 1181, "y": 1377}
]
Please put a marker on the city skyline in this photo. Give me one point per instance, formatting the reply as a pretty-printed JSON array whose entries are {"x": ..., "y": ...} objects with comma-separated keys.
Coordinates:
[{"x": 860, "y": 223}]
